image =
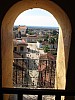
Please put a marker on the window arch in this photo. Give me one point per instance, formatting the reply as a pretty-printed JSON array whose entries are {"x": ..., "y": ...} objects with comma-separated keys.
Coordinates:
[{"x": 63, "y": 41}]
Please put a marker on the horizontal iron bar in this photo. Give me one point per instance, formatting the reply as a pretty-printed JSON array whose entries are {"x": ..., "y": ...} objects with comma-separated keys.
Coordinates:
[
  {"x": 33, "y": 59},
  {"x": 37, "y": 91},
  {"x": 21, "y": 58}
]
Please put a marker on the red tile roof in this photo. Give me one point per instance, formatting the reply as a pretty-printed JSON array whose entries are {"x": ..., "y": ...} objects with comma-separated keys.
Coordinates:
[
  {"x": 19, "y": 41},
  {"x": 47, "y": 56},
  {"x": 43, "y": 63}
]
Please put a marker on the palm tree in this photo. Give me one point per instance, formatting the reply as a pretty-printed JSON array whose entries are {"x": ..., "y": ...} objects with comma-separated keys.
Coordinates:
[
  {"x": 56, "y": 38},
  {"x": 46, "y": 37},
  {"x": 52, "y": 41}
]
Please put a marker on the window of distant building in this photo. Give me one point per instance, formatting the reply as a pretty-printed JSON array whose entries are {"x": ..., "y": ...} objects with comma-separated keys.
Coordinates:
[
  {"x": 15, "y": 48},
  {"x": 19, "y": 34},
  {"x": 21, "y": 48}
]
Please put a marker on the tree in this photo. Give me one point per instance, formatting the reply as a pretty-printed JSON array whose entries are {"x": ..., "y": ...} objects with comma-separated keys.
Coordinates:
[
  {"x": 56, "y": 38},
  {"x": 52, "y": 41},
  {"x": 54, "y": 32},
  {"x": 46, "y": 48},
  {"x": 46, "y": 37},
  {"x": 27, "y": 30},
  {"x": 39, "y": 40}
]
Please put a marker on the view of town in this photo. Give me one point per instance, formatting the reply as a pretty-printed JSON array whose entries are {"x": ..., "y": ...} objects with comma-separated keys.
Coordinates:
[
  {"x": 34, "y": 56},
  {"x": 35, "y": 46}
]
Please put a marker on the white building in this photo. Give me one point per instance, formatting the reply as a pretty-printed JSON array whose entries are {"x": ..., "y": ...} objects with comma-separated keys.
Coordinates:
[
  {"x": 22, "y": 30},
  {"x": 20, "y": 46}
]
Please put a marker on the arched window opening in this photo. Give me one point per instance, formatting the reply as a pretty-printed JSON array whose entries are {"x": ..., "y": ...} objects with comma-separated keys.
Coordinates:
[{"x": 35, "y": 34}]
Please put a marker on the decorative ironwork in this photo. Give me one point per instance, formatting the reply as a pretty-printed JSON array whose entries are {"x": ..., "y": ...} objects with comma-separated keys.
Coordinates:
[{"x": 34, "y": 73}]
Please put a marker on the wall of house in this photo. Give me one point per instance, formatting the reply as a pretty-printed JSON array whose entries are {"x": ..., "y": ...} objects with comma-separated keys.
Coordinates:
[{"x": 63, "y": 45}]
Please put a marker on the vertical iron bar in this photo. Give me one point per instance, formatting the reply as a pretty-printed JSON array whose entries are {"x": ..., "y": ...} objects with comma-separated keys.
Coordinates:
[
  {"x": 1, "y": 96},
  {"x": 49, "y": 64},
  {"x": 51, "y": 67},
  {"x": 16, "y": 76},
  {"x": 40, "y": 75},
  {"x": 22, "y": 71},
  {"x": 22, "y": 76},
  {"x": 45, "y": 77},
  {"x": 58, "y": 97},
  {"x": 16, "y": 70},
  {"x": 41, "y": 79},
  {"x": 50, "y": 81},
  {"x": 45, "y": 73},
  {"x": 39, "y": 97},
  {"x": 28, "y": 72},
  {"x": 20, "y": 97},
  {"x": 46, "y": 64},
  {"x": 51, "y": 73}
]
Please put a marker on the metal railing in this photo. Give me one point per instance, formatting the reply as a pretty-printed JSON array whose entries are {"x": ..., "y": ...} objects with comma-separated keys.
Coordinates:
[
  {"x": 39, "y": 73},
  {"x": 26, "y": 67},
  {"x": 39, "y": 92}
]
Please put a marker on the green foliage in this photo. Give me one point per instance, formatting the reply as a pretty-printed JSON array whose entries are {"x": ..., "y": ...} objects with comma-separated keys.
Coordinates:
[
  {"x": 39, "y": 40},
  {"x": 29, "y": 32},
  {"x": 51, "y": 40},
  {"x": 54, "y": 32},
  {"x": 46, "y": 37},
  {"x": 56, "y": 38},
  {"x": 46, "y": 48}
]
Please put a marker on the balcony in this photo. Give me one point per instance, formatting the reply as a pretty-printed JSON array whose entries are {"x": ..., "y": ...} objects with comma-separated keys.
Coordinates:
[
  {"x": 34, "y": 79},
  {"x": 34, "y": 73}
]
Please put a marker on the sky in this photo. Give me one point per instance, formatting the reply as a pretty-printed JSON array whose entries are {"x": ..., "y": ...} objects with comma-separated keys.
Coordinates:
[{"x": 36, "y": 17}]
